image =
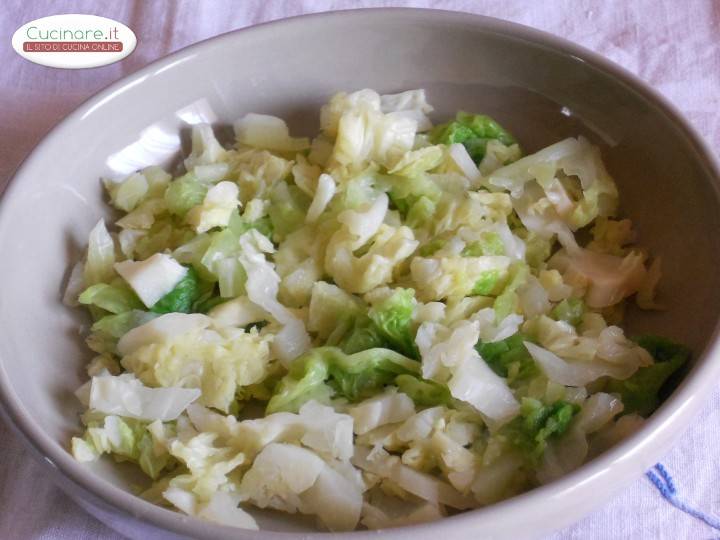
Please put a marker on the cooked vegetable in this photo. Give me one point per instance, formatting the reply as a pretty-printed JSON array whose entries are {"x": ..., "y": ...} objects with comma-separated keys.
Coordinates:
[{"x": 409, "y": 305}]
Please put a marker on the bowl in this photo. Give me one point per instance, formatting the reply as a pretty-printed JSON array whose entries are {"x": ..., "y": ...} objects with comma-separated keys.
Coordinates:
[{"x": 541, "y": 87}]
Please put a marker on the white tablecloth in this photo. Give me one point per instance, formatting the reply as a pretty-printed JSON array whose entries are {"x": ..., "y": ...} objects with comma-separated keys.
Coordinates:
[{"x": 673, "y": 45}]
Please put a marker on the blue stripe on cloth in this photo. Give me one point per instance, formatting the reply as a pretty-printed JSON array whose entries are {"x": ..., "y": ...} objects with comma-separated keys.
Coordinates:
[{"x": 662, "y": 480}]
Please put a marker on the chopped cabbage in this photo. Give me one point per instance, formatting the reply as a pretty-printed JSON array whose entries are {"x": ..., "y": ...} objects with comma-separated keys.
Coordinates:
[
  {"x": 377, "y": 326},
  {"x": 125, "y": 395}
]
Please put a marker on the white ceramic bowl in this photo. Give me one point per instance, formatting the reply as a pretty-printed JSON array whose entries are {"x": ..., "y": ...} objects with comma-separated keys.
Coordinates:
[{"x": 540, "y": 87}]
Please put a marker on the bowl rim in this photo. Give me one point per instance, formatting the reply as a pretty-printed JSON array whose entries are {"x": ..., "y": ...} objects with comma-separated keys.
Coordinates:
[{"x": 657, "y": 433}]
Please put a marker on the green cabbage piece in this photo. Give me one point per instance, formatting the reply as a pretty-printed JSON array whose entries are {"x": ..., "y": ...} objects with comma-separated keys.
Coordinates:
[
  {"x": 490, "y": 243},
  {"x": 288, "y": 208},
  {"x": 474, "y": 131},
  {"x": 207, "y": 298},
  {"x": 182, "y": 298},
  {"x": 105, "y": 333},
  {"x": 423, "y": 392},
  {"x": 116, "y": 298},
  {"x": 220, "y": 262},
  {"x": 183, "y": 193},
  {"x": 537, "y": 423},
  {"x": 487, "y": 283},
  {"x": 509, "y": 358},
  {"x": 129, "y": 440},
  {"x": 240, "y": 225},
  {"x": 429, "y": 248},
  {"x": 641, "y": 392},
  {"x": 392, "y": 319},
  {"x": 405, "y": 193},
  {"x": 324, "y": 372},
  {"x": 570, "y": 310},
  {"x": 507, "y": 302},
  {"x": 362, "y": 335},
  {"x": 420, "y": 213}
]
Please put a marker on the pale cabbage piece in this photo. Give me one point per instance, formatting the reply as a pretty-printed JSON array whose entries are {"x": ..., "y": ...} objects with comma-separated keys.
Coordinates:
[
  {"x": 283, "y": 477},
  {"x": 144, "y": 216},
  {"x": 373, "y": 517},
  {"x": 160, "y": 329},
  {"x": 561, "y": 338},
  {"x": 238, "y": 312},
  {"x": 473, "y": 210},
  {"x": 428, "y": 312},
  {"x": 538, "y": 215},
  {"x": 324, "y": 193},
  {"x": 425, "y": 486},
  {"x": 208, "y": 464},
  {"x": 390, "y": 246},
  {"x": 573, "y": 157},
  {"x": 462, "y": 308},
  {"x": 418, "y": 161},
  {"x": 474, "y": 382},
  {"x": 462, "y": 160},
  {"x": 267, "y": 132},
  {"x": 491, "y": 330},
  {"x": 223, "y": 508},
  {"x": 216, "y": 208},
  {"x": 306, "y": 175},
  {"x": 340, "y": 103},
  {"x": 360, "y": 274},
  {"x": 443, "y": 347},
  {"x": 255, "y": 209},
  {"x": 494, "y": 482},
  {"x": 533, "y": 298},
  {"x": 457, "y": 462},
  {"x": 152, "y": 278},
  {"x": 449, "y": 357},
  {"x": 569, "y": 452},
  {"x": 609, "y": 279},
  {"x": 256, "y": 172},
  {"x": 82, "y": 451},
  {"x": 124, "y": 437},
  {"x": 363, "y": 133},
  {"x": 552, "y": 281},
  {"x": 316, "y": 426},
  {"x": 206, "y": 149},
  {"x": 297, "y": 286},
  {"x": 262, "y": 289},
  {"x": 514, "y": 247},
  {"x": 128, "y": 239},
  {"x": 614, "y": 432},
  {"x": 420, "y": 425},
  {"x": 411, "y": 103},
  {"x": 216, "y": 361},
  {"x": 580, "y": 373},
  {"x": 497, "y": 155},
  {"x": 211, "y": 173},
  {"x": 328, "y": 305},
  {"x": 336, "y": 499},
  {"x": 125, "y": 395},
  {"x": 100, "y": 257},
  {"x": 127, "y": 193},
  {"x": 388, "y": 408},
  {"x": 437, "y": 278}
]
